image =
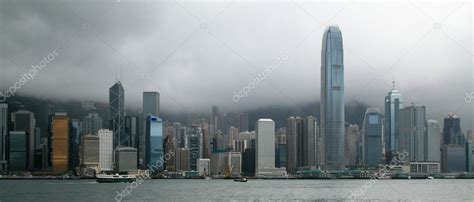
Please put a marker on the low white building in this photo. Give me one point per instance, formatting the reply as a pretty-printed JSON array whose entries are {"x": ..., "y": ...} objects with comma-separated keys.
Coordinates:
[{"x": 203, "y": 167}]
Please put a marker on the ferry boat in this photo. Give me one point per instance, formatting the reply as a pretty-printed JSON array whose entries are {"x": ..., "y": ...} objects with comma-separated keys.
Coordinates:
[
  {"x": 241, "y": 180},
  {"x": 102, "y": 178}
]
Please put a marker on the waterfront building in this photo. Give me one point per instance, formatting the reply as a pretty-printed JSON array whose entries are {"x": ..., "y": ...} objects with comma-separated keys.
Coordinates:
[
  {"x": 154, "y": 142},
  {"x": 352, "y": 144},
  {"x": 126, "y": 159},
  {"x": 204, "y": 166},
  {"x": 332, "y": 98},
  {"x": 372, "y": 139},
  {"x": 232, "y": 164},
  {"x": 452, "y": 130},
  {"x": 24, "y": 120},
  {"x": 74, "y": 143},
  {"x": 182, "y": 157},
  {"x": 393, "y": 105},
  {"x": 18, "y": 144},
  {"x": 106, "y": 149},
  {"x": 433, "y": 141},
  {"x": 265, "y": 150},
  {"x": 195, "y": 145},
  {"x": 3, "y": 135},
  {"x": 412, "y": 132},
  {"x": 60, "y": 143},
  {"x": 456, "y": 158},
  {"x": 90, "y": 154}
]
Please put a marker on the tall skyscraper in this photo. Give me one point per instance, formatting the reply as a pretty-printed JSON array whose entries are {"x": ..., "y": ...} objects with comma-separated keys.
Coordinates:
[
  {"x": 433, "y": 141},
  {"x": 132, "y": 125},
  {"x": 301, "y": 134},
  {"x": 293, "y": 128},
  {"x": 106, "y": 150},
  {"x": 195, "y": 145},
  {"x": 151, "y": 103},
  {"x": 92, "y": 123},
  {"x": 265, "y": 150},
  {"x": 373, "y": 126},
  {"x": 60, "y": 142},
  {"x": 18, "y": 142},
  {"x": 352, "y": 144},
  {"x": 74, "y": 143},
  {"x": 452, "y": 130},
  {"x": 3, "y": 134},
  {"x": 117, "y": 115},
  {"x": 25, "y": 121},
  {"x": 393, "y": 104},
  {"x": 332, "y": 97},
  {"x": 214, "y": 121},
  {"x": 154, "y": 143},
  {"x": 412, "y": 132}
]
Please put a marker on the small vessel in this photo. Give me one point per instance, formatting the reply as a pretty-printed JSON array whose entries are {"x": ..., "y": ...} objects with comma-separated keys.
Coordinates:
[
  {"x": 241, "y": 180},
  {"x": 430, "y": 178},
  {"x": 115, "y": 178}
]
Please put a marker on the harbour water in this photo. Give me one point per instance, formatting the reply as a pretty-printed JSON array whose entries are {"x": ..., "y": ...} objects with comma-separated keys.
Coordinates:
[{"x": 228, "y": 190}]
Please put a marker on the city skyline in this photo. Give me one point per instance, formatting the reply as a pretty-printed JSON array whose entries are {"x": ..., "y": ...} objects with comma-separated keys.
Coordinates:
[{"x": 423, "y": 50}]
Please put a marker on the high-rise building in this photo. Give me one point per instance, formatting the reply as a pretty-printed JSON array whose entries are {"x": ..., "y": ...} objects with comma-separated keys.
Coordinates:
[
  {"x": 302, "y": 143},
  {"x": 456, "y": 158},
  {"x": 117, "y": 115},
  {"x": 265, "y": 150},
  {"x": 74, "y": 143},
  {"x": 372, "y": 140},
  {"x": 151, "y": 103},
  {"x": 179, "y": 133},
  {"x": 132, "y": 125},
  {"x": 60, "y": 142},
  {"x": 204, "y": 166},
  {"x": 92, "y": 123},
  {"x": 232, "y": 164},
  {"x": 90, "y": 153},
  {"x": 309, "y": 142},
  {"x": 195, "y": 145},
  {"x": 182, "y": 157},
  {"x": 294, "y": 130},
  {"x": 433, "y": 141},
  {"x": 393, "y": 105},
  {"x": 412, "y": 132},
  {"x": 452, "y": 130},
  {"x": 125, "y": 159},
  {"x": 25, "y": 121},
  {"x": 214, "y": 121},
  {"x": 352, "y": 144},
  {"x": 18, "y": 143},
  {"x": 3, "y": 134},
  {"x": 106, "y": 149},
  {"x": 154, "y": 143},
  {"x": 332, "y": 97}
]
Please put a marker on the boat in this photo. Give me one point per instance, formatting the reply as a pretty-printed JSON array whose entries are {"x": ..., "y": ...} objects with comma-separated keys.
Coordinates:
[
  {"x": 430, "y": 178},
  {"x": 115, "y": 178},
  {"x": 241, "y": 180}
]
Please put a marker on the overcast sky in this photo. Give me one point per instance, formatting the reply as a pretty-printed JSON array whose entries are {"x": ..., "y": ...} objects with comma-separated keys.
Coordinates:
[{"x": 197, "y": 53}]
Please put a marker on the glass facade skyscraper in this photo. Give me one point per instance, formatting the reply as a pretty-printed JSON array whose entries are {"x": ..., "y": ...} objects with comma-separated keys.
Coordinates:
[
  {"x": 372, "y": 139},
  {"x": 117, "y": 115},
  {"x": 3, "y": 133},
  {"x": 154, "y": 143},
  {"x": 452, "y": 130},
  {"x": 393, "y": 104},
  {"x": 332, "y": 98}
]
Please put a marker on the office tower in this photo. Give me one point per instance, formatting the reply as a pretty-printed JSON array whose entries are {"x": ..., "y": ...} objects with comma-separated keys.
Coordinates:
[
  {"x": 25, "y": 121},
  {"x": 456, "y": 158},
  {"x": 309, "y": 141},
  {"x": 90, "y": 154},
  {"x": 265, "y": 150},
  {"x": 470, "y": 136},
  {"x": 213, "y": 121},
  {"x": 248, "y": 161},
  {"x": 206, "y": 143},
  {"x": 170, "y": 149},
  {"x": 280, "y": 148},
  {"x": 60, "y": 142},
  {"x": 412, "y": 125},
  {"x": 126, "y": 159},
  {"x": 117, "y": 115},
  {"x": 452, "y": 130},
  {"x": 433, "y": 141},
  {"x": 18, "y": 156},
  {"x": 372, "y": 139},
  {"x": 393, "y": 105},
  {"x": 179, "y": 133},
  {"x": 195, "y": 145},
  {"x": 351, "y": 144},
  {"x": 232, "y": 164},
  {"x": 3, "y": 134},
  {"x": 151, "y": 103},
  {"x": 204, "y": 166},
  {"x": 74, "y": 142},
  {"x": 182, "y": 157},
  {"x": 332, "y": 98},
  {"x": 132, "y": 125},
  {"x": 106, "y": 149},
  {"x": 92, "y": 123},
  {"x": 293, "y": 128},
  {"x": 154, "y": 143}
]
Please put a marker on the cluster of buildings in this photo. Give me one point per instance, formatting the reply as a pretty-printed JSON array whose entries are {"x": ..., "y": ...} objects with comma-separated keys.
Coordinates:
[{"x": 222, "y": 145}]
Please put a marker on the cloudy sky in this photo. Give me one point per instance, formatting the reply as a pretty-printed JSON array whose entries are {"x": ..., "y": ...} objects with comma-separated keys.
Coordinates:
[{"x": 197, "y": 53}]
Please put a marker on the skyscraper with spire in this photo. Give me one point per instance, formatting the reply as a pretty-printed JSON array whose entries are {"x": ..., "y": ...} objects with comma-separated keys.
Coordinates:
[
  {"x": 117, "y": 115},
  {"x": 393, "y": 104},
  {"x": 332, "y": 98}
]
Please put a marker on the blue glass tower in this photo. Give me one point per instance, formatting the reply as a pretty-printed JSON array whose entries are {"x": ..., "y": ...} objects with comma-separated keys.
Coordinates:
[
  {"x": 393, "y": 104},
  {"x": 332, "y": 98},
  {"x": 372, "y": 148},
  {"x": 154, "y": 143}
]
